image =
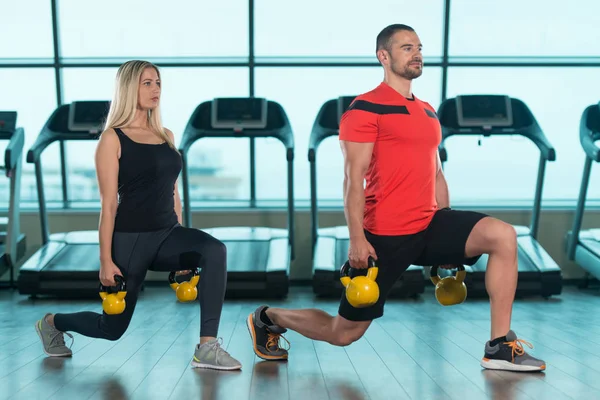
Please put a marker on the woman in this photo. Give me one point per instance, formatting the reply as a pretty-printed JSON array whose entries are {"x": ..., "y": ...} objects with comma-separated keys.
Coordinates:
[{"x": 137, "y": 167}]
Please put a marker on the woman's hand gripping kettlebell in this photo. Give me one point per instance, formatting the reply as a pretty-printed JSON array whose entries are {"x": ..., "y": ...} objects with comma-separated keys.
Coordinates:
[{"x": 113, "y": 302}]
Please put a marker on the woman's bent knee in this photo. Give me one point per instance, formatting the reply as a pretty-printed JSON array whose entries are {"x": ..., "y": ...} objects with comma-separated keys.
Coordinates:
[{"x": 220, "y": 249}]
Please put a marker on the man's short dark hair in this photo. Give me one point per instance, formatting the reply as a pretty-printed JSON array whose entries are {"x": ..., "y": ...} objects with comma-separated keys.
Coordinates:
[{"x": 384, "y": 39}]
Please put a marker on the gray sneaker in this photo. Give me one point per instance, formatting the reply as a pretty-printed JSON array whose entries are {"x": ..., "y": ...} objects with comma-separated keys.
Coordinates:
[
  {"x": 510, "y": 356},
  {"x": 211, "y": 355},
  {"x": 52, "y": 339}
]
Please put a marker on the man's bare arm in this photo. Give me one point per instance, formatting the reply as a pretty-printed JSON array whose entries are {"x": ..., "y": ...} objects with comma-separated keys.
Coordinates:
[
  {"x": 442, "y": 194},
  {"x": 357, "y": 157}
]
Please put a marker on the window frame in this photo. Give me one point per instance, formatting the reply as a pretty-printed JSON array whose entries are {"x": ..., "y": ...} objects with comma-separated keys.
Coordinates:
[{"x": 251, "y": 62}]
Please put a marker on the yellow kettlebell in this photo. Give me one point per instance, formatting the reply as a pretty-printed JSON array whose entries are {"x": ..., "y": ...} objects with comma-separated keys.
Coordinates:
[
  {"x": 114, "y": 303},
  {"x": 361, "y": 291},
  {"x": 450, "y": 290},
  {"x": 185, "y": 291}
]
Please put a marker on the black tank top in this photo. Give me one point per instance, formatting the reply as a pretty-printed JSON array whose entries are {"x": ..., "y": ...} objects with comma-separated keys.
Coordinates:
[{"x": 147, "y": 176}]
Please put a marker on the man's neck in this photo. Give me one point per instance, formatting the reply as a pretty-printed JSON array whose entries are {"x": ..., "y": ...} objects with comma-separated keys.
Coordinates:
[{"x": 400, "y": 85}]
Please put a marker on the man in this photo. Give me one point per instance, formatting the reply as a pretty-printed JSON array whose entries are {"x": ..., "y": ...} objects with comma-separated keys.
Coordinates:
[{"x": 390, "y": 138}]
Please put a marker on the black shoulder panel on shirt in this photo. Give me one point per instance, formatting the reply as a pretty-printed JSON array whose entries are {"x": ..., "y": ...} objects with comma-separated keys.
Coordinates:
[
  {"x": 377, "y": 108},
  {"x": 430, "y": 113}
]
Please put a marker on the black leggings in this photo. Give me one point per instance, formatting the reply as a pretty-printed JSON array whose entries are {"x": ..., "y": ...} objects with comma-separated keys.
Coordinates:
[{"x": 173, "y": 249}]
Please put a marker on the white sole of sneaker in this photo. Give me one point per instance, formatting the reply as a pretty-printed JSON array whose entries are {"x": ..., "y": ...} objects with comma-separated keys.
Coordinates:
[
  {"x": 508, "y": 366},
  {"x": 44, "y": 347},
  {"x": 218, "y": 367}
]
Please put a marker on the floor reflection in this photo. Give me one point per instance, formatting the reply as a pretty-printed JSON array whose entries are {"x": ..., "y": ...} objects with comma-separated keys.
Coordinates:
[
  {"x": 507, "y": 385},
  {"x": 113, "y": 389},
  {"x": 210, "y": 382}
]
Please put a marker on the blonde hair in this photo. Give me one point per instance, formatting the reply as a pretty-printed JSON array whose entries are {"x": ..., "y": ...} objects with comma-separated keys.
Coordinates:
[{"x": 125, "y": 100}]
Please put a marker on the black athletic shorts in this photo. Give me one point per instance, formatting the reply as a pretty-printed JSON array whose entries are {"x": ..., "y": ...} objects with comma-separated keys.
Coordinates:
[{"x": 442, "y": 242}]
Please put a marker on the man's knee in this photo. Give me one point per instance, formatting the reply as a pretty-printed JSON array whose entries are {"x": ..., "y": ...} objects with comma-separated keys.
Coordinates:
[
  {"x": 345, "y": 337},
  {"x": 500, "y": 236},
  {"x": 507, "y": 236}
]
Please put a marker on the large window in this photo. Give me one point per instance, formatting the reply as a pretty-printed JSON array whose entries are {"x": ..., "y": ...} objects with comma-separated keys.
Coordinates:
[
  {"x": 217, "y": 167},
  {"x": 153, "y": 28},
  {"x": 504, "y": 169},
  {"x": 30, "y": 92},
  {"x": 523, "y": 28},
  {"x": 340, "y": 29},
  {"x": 302, "y": 92},
  {"x": 26, "y": 30},
  {"x": 302, "y": 54}
]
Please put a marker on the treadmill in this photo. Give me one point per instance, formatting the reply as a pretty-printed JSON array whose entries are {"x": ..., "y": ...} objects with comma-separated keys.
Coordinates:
[
  {"x": 330, "y": 244},
  {"x": 500, "y": 115},
  {"x": 67, "y": 264},
  {"x": 258, "y": 258},
  {"x": 12, "y": 241},
  {"x": 584, "y": 246}
]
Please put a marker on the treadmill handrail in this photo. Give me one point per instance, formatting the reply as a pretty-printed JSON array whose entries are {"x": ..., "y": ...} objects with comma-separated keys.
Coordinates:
[
  {"x": 14, "y": 150},
  {"x": 533, "y": 132},
  {"x": 319, "y": 132},
  {"x": 48, "y": 136},
  {"x": 536, "y": 134},
  {"x": 284, "y": 134},
  {"x": 13, "y": 157},
  {"x": 587, "y": 135},
  {"x": 317, "y": 135}
]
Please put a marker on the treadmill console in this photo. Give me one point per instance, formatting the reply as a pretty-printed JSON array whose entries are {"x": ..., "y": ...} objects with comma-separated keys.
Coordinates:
[
  {"x": 8, "y": 121},
  {"x": 487, "y": 111},
  {"x": 239, "y": 113},
  {"x": 88, "y": 116},
  {"x": 343, "y": 103}
]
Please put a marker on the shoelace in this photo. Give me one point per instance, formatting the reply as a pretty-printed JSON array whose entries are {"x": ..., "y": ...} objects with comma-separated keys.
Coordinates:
[
  {"x": 517, "y": 347},
  {"x": 216, "y": 346},
  {"x": 57, "y": 339},
  {"x": 273, "y": 340}
]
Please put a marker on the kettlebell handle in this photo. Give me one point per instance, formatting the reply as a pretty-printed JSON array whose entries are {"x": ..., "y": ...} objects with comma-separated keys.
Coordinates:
[
  {"x": 174, "y": 283},
  {"x": 345, "y": 270},
  {"x": 461, "y": 274},
  {"x": 121, "y": 285}
]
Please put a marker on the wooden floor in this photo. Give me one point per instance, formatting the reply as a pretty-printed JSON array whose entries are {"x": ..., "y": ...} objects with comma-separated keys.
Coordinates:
[{"x": 418, "y": 350}]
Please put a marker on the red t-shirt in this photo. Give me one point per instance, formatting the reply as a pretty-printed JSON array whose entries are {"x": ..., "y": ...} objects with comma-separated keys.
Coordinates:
[{"x": 400, "y": 190}]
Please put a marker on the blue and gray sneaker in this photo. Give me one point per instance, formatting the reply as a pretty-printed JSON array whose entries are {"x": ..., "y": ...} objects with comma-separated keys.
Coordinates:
[
  {"x": 509, "y": 355},
  {"x": 211, "y": 355},
  {"x": 52, "y": 339}
]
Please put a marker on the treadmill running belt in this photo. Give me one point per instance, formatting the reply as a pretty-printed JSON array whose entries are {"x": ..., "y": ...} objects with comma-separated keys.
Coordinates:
[
  {"x": 525, "y": 264},
  {"x": 341, "y": 252},
  {"x": 248, "y": 256},
  {"x": 76, "y": 258},
  {"x": 592, "y": 245}
]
